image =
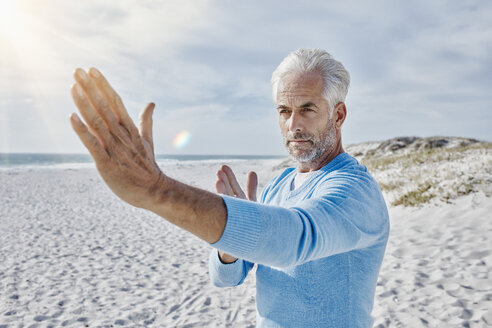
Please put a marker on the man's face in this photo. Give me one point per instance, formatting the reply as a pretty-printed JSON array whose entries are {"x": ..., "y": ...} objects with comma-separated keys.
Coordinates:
[{"x": 304, "y": 117}]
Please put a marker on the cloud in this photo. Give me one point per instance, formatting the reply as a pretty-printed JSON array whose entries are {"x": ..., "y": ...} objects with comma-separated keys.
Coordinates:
[{"x": 207, "y": 65}]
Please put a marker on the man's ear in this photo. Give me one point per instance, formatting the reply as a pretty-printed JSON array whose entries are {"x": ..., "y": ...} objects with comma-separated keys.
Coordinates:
[{"x": 339, "y": 114}]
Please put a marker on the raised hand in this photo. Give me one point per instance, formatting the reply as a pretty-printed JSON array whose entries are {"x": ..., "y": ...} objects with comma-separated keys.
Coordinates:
[
  {"x": 227, "y": 184},
  {"x": 124, "y": 155}
]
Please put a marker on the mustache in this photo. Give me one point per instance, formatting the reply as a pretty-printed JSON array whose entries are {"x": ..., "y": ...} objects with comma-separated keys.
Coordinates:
[{"x": 298, "y": 136}]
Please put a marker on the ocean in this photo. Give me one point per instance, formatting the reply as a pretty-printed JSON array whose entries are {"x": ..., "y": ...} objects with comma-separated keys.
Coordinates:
[{"x": 21, "y": 161}]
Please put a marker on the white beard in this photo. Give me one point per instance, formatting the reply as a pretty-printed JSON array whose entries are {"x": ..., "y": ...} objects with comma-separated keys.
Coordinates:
[{"x": 319, "y": 146}]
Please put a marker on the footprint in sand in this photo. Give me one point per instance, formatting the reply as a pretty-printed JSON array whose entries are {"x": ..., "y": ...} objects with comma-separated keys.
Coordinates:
[
  {"x": 399, "y": 253},
  {"x": 40, "y": 318},
  {"x": 476, "y": 255}
]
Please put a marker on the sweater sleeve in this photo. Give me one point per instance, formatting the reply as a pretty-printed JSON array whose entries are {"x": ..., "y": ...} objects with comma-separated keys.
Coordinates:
[
  {"x": 346, "y": 214},
  {"x": 227, "y": 274}
]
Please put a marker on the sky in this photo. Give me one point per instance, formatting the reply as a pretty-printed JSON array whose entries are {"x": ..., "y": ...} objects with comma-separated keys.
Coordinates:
[{"x": 418, "y": 68}]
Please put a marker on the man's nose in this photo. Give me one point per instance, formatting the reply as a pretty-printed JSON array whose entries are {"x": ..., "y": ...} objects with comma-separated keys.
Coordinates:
[{"x": 295, "y": 122}]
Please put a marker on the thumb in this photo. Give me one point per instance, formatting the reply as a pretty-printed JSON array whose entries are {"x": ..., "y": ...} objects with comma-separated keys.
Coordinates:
[
  {"x": 251, "y": 186},
  {"x": 145, "y": 127}
]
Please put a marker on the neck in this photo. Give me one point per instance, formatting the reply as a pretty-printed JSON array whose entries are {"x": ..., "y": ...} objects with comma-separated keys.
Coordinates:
[{"x": 326, "y": 158}]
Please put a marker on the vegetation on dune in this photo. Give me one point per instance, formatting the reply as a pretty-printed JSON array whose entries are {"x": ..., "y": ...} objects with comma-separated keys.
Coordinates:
[
  {"x": 417, "y": 177},
  {"x": 422, "y": 157},
  {"x": 421, "y": 195}
]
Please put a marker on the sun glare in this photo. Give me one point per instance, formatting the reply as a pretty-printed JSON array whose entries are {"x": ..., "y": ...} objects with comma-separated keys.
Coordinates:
[
  {"x": 11, "y": 19},
  {"x": 24, "y": 53}
]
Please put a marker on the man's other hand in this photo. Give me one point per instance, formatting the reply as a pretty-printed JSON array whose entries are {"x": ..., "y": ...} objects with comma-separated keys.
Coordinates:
[
  {"x": 227, "y": 184},
  {"x": 124, "y": 155}
]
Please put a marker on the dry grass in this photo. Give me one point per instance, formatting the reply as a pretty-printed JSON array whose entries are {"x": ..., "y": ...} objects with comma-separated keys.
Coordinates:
[
  {"x": 422, "y": 157},
  {"x": 433, "y": 175},
  {"x": 416, "y": 197}
]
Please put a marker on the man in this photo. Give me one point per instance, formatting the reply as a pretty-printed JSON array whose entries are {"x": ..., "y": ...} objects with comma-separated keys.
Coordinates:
[{"x": 318, "y": 233}]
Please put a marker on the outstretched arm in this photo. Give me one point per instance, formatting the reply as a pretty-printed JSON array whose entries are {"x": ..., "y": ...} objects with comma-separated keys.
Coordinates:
[{"x": 124, "y": 157}]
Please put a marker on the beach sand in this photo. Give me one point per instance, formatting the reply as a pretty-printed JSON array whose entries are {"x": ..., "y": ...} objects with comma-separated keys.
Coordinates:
[{"x": 73, "y": 254}]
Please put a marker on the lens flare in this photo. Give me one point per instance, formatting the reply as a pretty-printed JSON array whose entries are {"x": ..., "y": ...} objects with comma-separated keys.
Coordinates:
[{"x": 181, "y": 139}]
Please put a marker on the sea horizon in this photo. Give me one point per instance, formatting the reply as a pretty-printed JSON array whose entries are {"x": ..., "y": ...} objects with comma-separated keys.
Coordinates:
[{"x": 78, "y": 160}]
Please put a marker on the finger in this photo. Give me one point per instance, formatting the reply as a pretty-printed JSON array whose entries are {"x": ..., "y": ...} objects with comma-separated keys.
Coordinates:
[
  {"x": 114, "y": 100},
  {"x": 252, "y": 185},
  {"x": 94, "y": 121},
  {"x": 116, "y": 104},
  {"x": 220, "y": 187},
  {"x": 92, "y": 144},
  {"x": 225, "y": 180},
  {"x": 145, "y": 128},
  {"x": 233, "y": 181},
  {"x": 101, "y": 105}
]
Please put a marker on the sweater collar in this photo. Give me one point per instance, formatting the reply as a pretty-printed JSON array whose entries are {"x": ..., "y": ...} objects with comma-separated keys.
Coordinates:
[{"x": 333, "y": 164}]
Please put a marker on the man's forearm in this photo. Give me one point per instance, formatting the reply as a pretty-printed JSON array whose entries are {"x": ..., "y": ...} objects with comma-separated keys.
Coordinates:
[{"x": 200, "y": 212}]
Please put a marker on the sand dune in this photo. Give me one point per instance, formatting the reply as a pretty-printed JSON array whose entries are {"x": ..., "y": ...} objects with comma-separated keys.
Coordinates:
[{"x": 72, "y": 254}]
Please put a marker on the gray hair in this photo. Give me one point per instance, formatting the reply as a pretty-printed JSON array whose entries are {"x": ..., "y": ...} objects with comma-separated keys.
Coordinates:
[{"x": 336, "y": 79}]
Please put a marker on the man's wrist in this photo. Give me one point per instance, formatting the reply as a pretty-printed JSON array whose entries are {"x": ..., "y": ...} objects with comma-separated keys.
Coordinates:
[
  {"x": 226, "y": 258},
  {"x": 159, "y": 193}
]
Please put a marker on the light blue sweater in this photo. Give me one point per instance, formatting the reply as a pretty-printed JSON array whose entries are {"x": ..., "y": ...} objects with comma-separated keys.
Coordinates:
[{"x": 318, "y": 248}]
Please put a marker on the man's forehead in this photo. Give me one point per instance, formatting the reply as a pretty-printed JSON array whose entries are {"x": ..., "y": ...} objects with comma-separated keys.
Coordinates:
[{"x": 300, "y": 85}]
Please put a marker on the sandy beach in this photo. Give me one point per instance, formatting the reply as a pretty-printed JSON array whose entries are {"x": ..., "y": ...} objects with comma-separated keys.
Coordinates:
[{"x": 73, "y": 255}]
